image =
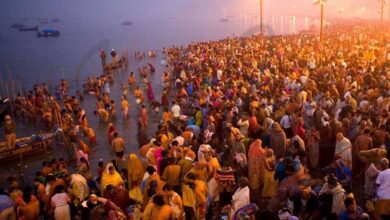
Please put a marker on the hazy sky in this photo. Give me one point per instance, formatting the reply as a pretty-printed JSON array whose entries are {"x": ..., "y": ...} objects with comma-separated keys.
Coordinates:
[{"x": 96, "y": 10}]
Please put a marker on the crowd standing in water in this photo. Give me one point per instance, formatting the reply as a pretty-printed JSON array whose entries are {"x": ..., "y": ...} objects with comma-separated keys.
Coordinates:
[{"x": 280, "y": 127}]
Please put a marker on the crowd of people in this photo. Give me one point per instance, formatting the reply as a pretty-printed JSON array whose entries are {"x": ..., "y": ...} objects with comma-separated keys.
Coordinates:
[{"x": 276, "y": 127}]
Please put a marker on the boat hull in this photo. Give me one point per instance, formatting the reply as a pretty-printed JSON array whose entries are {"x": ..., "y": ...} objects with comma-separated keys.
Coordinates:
[
  {"x": 29, "y": 29},
  {"x": 26, "y": 149}
]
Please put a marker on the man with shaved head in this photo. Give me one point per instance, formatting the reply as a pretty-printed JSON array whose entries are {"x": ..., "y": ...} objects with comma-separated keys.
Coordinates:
[{"x": 344, "y": 149}]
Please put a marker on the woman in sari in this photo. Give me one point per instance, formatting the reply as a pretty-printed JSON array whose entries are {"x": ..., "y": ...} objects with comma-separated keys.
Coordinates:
[
  {"x": 84, "y": 169},
  {"x": 125, "y": 107},
  {"x": 270, "y": 184},
  {"x": 150, "y": 93},
  {"x": 255, "y": 165},
  {"x": 143, "y": 117},
  {"x": 312, "y": 138},
  {"x": 278, "y": 140},
  {"x": 135, "y": 170},
  {"x": 110, "y": 133},
  {"x": 110, "y": 177}
]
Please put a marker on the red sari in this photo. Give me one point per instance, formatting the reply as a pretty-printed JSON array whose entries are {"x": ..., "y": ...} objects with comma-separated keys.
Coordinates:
[
  {"x": 111, "y": 131},
  {"x": 255, "y": 165}
]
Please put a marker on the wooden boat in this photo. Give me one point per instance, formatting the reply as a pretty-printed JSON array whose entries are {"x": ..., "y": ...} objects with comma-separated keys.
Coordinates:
[
  {"x": 27, "y": 146},
  {"x": 122, "y": 63},
  {"x": 29, "y": 29},
  {"x": 127, "y": 23}
]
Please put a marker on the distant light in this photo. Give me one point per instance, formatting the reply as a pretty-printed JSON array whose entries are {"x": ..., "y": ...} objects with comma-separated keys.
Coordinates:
[
  {"x": 294, "y": 6},
  {"x": 363, "y": 8}
]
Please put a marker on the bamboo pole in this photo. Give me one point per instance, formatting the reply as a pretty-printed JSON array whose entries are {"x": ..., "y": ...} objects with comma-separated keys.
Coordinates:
[
  {"x": 20, "y": 87},
  {"x": 36, "y": 74},
  {"x": 2, "y": 86},
  {"x": 9, "y": 72},
  {"x": 6, "y": 89},
  {"x": 62, "y": 72},
  {"x": 261, "y": 18},
  {"x": 13, "y": 89},
  {"x": 382, "y": 10}
]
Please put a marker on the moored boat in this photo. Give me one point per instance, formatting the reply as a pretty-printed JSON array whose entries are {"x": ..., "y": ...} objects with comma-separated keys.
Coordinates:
[
  {"x": 29, "y": 29},
  {"x": 48, "y": 33},
  {"x": 127, "y": 23},
  {"x": 55, "y": 20},
  {"x": 27, "y": 146},
  {"x": 122, "y": 63}
]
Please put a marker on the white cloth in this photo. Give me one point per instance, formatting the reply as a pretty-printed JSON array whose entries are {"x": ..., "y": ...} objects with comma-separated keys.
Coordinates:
[
  {"x": 369, "y": 180},
  {"x": 179, "y": 140},
  {"x": 344, "y": 149},
  {"x": 244, "y": 125},
  {"x": 80, "y": 183},
  {"x": 62, "y": 212},
  {"x": 219, "y": 75},
  {"x": 338, "y": 198},
  {"x": 285, "y": 122},
  {"x": 240, "y": 199},
  {"x": 204, "y": 148},
  {"x": 175, "y": 111},
  {"x": 59, "y": 199},
  {"x": 213, "y": 190},
  {"x": 383, "y": 182}
]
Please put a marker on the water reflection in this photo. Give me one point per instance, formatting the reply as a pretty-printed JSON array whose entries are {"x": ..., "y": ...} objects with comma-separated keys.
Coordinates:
[{"x": 22, "y": 52}]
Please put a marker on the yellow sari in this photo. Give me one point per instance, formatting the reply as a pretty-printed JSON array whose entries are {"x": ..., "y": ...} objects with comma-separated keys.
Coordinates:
[
  {"x": 135, "y": 170},
  {"x": 108, "y": 179},
  {"x": 270, "y": 184}
]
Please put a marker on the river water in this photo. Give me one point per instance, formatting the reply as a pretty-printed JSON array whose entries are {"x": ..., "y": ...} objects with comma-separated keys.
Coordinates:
[
  {"x": 74, "y": 55},
  {"x": 26, "y": 60}
]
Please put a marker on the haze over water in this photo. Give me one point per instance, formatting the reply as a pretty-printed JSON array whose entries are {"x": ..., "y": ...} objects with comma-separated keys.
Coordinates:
[{"x": 86, "y": 26}]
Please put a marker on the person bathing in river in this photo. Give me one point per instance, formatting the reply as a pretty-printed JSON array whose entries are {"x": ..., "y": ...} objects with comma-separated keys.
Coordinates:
[
  {"x": 152, "y": 68},
  {"x": 114, "y": 56},
  {"x": 150, "y": 93},
  {"x": 9, "y": 130},
  {"x": 103, "y": 57},
  {"x": 131, "y": 80},
  {"x": 125, "y": 107}
]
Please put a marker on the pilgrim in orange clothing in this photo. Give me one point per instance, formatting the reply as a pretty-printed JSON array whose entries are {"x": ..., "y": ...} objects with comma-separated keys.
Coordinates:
[{"x": 256, "y": 165}]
